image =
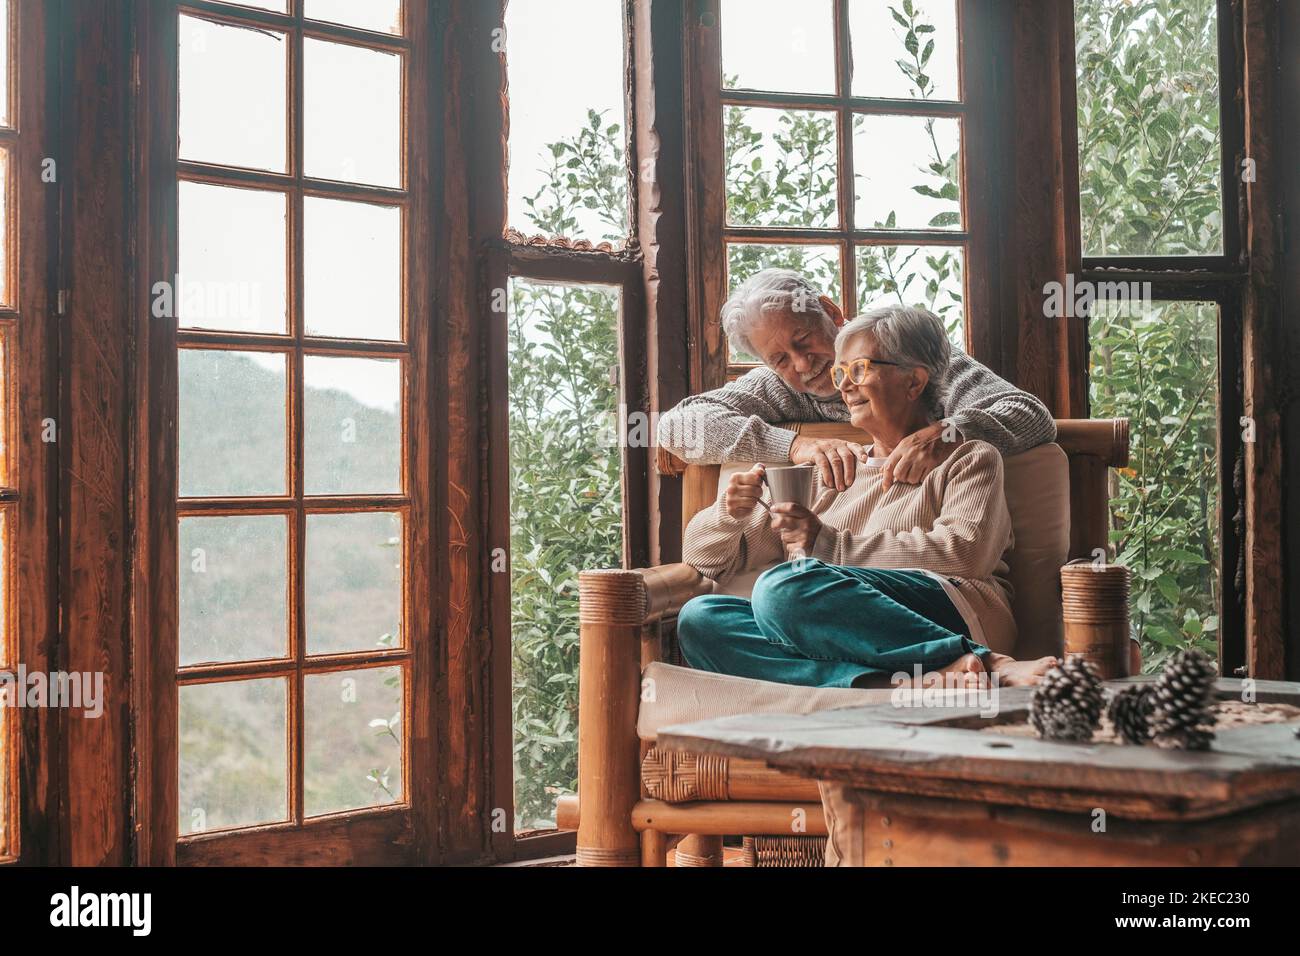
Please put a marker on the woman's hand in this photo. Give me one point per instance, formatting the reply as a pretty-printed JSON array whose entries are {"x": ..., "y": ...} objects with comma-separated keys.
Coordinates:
[
  {"x": 836, "y": 461},
  {"x": 743, "y": 492},
  {"x": 919, "y": 454},
  {"x": 797, "y": 526}
]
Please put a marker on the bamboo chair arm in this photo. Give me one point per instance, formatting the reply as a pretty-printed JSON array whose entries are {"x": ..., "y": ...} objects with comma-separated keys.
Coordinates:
[
  {"x": 640, "y": 596},
  {"x": 1103, "y": 438}
]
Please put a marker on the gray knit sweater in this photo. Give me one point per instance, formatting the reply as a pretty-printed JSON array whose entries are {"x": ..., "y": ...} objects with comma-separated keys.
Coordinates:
[{"x": 734, "y": 423}]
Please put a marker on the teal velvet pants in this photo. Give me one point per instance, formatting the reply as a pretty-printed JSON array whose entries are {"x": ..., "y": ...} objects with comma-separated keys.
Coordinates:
[{"x": 825, "y": 625}]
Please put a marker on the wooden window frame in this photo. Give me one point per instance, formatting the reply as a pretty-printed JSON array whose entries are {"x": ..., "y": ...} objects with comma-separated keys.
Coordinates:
[
  {"x": 710, "y": 234},
  {"x": 398, "y": 833},
  {"x": 564, "y": 261},
  {"x": 29, "y": 326}
]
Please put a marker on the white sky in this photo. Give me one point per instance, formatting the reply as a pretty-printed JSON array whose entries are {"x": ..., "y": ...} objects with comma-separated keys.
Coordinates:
[
  {"x": 564, "y": 57},
  {"x": 4, "y": 58},
  {"x": 788, "y": 47},
  {"x": 232, "y": 241}
]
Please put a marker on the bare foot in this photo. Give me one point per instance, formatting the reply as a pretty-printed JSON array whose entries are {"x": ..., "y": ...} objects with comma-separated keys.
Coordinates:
[
  {"x": 965, "y": 671},
  {"x": 1014, "y": 673}
]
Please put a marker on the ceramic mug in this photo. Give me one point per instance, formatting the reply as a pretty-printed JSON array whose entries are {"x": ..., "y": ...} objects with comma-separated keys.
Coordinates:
[{"x": 789, "y": 483}]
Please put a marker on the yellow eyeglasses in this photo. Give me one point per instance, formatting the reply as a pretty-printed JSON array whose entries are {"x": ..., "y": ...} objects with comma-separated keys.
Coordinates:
[{"x": 855, "y": 371}]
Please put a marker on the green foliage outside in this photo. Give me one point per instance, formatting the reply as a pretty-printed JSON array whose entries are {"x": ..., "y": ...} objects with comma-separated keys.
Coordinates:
[
  {"x": 1148, "y": 127},
  {"x": 566, "y": 499},
  {"x": 1160, "y": 370},
  {"x": 1149, "y": 185}
]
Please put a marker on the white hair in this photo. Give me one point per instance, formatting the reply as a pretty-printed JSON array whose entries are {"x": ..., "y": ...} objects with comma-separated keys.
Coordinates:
[
  {"x": 910, "y": 337},
  {"x": 767, "y": 291}
]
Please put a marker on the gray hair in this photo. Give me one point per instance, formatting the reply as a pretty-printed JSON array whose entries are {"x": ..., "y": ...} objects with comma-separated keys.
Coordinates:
[
  {"x": 766, "y": 291},
  {"x": 911, "y": 337}
]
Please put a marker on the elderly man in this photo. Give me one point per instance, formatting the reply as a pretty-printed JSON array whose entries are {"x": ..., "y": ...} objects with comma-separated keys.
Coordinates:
[{"x": 777, "y": 315}]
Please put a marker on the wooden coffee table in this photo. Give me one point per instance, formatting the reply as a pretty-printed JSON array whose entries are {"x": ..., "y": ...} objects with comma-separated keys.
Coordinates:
[{"x": 933, "y": 786}]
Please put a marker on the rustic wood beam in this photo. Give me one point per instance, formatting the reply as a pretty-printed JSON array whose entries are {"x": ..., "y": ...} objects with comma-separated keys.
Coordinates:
[
  {"x": 658, "y": 117},
  {"x": 1288, "y": 145},
  {"x": 473, "y": 653},
  {"x": 1264, "y": 370},
  {"x": 31, "y": 397},
  {"x": 1044, "y": 356},
  {"x": 95, "y": 359}
]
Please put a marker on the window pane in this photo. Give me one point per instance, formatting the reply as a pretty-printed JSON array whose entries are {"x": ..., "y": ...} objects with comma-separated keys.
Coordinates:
[
  {"x": 6, "y": 294},
  {"x": 380, "y": 16},
  {"x": 354, "y": 582},
  {"x": 353, "y": 113},
  {"x": 5, "y": 119},
  {"x": 908, "y": 172},
  {"x": 7, "y": 699},
  {"x": 1149, "y": 140},
  {"x": 232, "y": 95},
  {"x": 928, "y": 277},
  {"x": 566, "y": 512},
  {"x": 567, "y": 173},
  {"x": 1159, "y": 369},
  {"x": 233, "y": 755},
  {"x": 820, "y": 264},
  {"x": 353, "y": 269},
  {"x": 6, "y": 652},
  {"x": 5, "y": 374},
  {"x": 232, "y": 259},
  {"x": 774, "y": 45},
  {"x": 275, "y": 6},
  {"x": 353, "y": 738},
  {"x": 233, "y": 588},
  {"x": 232, "y": 423},
  {"x": 780, "y": 167},
  {"x": 353, "y": 425},
  {"x": 7, "y": 800},
  {"x": 904, "y": 50}
]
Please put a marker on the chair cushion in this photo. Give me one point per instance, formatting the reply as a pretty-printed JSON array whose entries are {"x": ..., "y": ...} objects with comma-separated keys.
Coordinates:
[
  {"x": 679, "y": 695},
  {"x": 1037, "y": 485}
]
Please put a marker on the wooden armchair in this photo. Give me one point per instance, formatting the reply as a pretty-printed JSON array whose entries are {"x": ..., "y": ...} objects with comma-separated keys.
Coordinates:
[{"x": 633, "y": 799}]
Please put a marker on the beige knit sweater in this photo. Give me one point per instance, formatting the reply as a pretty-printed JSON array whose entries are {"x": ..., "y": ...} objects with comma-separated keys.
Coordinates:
[{"x": 954, "y": 524}]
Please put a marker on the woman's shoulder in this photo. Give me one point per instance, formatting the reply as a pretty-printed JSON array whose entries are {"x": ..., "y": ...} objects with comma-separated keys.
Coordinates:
[{"x": 976, "y": 455}]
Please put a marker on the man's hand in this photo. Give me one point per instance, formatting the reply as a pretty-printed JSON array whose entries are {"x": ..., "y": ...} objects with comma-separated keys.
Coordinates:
[
  {"x": 798, "y": 527},
  {"x": 743, "y": 492},
  {"x": 836, "y": 460},
  {"x": 919, "y": 454}
]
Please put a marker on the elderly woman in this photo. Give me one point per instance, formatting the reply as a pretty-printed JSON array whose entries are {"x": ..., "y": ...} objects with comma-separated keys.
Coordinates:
[{"x": 875, "y": 581}]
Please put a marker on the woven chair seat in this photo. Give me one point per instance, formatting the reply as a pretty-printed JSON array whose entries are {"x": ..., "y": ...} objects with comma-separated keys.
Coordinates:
[{"x": 785, "y": 851}]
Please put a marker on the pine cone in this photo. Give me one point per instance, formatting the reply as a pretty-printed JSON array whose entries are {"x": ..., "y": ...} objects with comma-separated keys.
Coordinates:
[
  {"x": 1182, "y": 714},
  {"x": 1130, "y": 712},
  {"x": 1067, "y": 703}
]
